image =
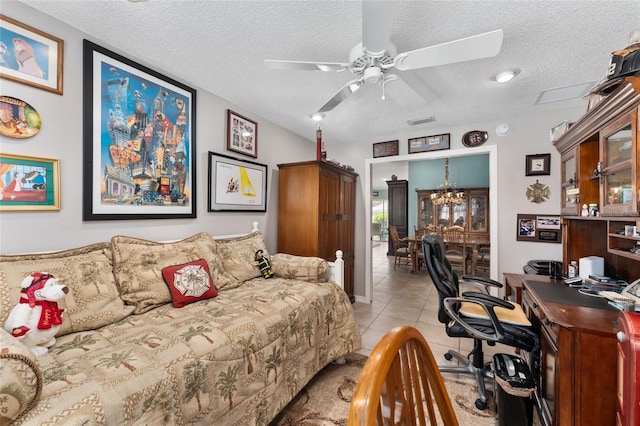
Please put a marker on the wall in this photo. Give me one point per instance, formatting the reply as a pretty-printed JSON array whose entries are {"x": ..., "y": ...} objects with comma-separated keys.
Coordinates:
[
  {"x": 61, "y": 138},
  {"x": 529, "y": 135}
]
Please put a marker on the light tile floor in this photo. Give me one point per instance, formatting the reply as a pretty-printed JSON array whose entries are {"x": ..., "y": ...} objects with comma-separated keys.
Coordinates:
[{"x": 403, "y": 298}]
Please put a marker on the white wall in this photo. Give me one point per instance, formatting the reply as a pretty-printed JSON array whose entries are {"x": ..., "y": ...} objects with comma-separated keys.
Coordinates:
[
  {"x": 529, "y": 135},
  {"x": 61, "y": 138}
]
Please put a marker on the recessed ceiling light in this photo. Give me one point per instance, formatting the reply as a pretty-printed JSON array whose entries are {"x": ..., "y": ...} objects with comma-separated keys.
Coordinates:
[
  {"x": 505, "y": 76},
  {"x": 317, "y": 116}
]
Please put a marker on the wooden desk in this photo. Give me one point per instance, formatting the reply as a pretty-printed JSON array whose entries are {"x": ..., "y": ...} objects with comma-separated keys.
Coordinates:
[
  {"x": 576, "y": 369},
  {"x": 513, "y": 285}
]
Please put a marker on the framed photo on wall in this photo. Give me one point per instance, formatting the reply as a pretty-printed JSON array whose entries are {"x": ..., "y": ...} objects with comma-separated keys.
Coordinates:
[
  {"x": 538, "y": 165},
  {"x": 139, "y": 141},
  {"x": 236, "y": 185},
  {"x": 35, "y": 58},
  {"x": 242, "y": 134},
  {"x": 29, "y": 183},
  {"x": 385, "y": 149},
  {"x": 429, "y": 143},
  {"x": 539, "y": 228}
]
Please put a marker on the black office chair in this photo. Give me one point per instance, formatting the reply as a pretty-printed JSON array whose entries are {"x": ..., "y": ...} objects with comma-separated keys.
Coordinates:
[{"x": 475, "y": 315}]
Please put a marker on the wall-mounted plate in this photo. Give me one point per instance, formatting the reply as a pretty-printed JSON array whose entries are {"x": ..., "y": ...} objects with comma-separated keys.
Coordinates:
[
  {"x": 474, "y": 138},
  {"x": 18, "y": 119}
]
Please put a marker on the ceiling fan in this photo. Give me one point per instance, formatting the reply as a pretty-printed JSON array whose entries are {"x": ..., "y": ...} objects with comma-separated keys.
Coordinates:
[{"x": 373, "y": 59}]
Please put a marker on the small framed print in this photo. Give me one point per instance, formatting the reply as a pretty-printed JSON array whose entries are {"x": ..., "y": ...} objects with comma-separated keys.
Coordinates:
[
  {"x": 236, "y": 185},
  {"x": 539, "y": 228},
  {"x": 385, "y": 149},
  {"x": 429, "y": 143},
  {"x": 242, "y": 134},
  {"x": 34, "y": 58},
  {"x": 538, "y": 165},
  {"x": 29, "y": 183}
]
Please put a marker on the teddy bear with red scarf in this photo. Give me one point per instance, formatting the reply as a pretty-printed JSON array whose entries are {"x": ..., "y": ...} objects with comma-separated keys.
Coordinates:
[{"x": 36, "y": 318}]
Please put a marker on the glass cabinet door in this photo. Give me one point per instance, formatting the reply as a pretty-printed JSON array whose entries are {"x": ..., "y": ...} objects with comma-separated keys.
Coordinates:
[
  {"x": 570, "y": 189},
  {"x": 620, "y": 186},
  {"x": 478, "y": 213},
  {"x": 426, "y": 211}
]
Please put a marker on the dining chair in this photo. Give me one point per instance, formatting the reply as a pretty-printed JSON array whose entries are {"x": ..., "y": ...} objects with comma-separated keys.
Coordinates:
[
  {"x": 401, "y": 248},
  {"x": 399, "y": 384},
  {"x": 455, "y": 241}
]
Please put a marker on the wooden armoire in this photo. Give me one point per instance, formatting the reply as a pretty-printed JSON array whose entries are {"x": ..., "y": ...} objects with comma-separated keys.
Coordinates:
[{"x": 316, "y": 213}]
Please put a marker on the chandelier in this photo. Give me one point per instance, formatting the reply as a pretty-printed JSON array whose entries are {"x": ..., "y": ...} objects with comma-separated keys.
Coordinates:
[{"x": 446, "y": 193}]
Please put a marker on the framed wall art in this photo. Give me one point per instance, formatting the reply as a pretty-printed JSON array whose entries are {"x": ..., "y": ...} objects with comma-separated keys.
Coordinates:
[
  {"x": 539, "y": 228},
  {"x": 30, "y": 56},
  {"x": 538, "y": 165},
  {"x": 18, "y": 119},
  {"x": 29, "y": 183},
  {"x": 429, "y": 143},
  {"x": 242, "y": 134},
  {"x": 385, "y": 149},
  {"x": 236, "y": 185},
  {"x": 139, "y": 141}
]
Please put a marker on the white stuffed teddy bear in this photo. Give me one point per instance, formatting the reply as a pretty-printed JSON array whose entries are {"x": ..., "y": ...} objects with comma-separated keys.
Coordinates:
[{"x": 36, "y": 319}]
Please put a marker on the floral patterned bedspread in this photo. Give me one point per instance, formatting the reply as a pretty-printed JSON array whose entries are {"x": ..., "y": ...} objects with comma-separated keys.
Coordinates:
[{"x": 237, "y": 359}]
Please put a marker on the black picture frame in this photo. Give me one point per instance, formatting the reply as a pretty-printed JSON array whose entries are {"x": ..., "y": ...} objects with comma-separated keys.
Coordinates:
[
  {"x": 538, "y": 165},
  {"x": 541, "y": 228},
  {"x": 236, "y": 185},
  {"x": 386, "y": 149},
  {"x": 132, "y": 116},
  {"x": 429, "y": 143}
]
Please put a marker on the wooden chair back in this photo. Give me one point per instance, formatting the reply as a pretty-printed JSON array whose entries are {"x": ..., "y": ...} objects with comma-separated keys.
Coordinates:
[
  {"x": 455, "y": 241},
  {"x": 399, "y": 383}
]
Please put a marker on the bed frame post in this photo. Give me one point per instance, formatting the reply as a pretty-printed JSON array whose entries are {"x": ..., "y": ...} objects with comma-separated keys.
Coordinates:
[{"x": 337, "y": 269}]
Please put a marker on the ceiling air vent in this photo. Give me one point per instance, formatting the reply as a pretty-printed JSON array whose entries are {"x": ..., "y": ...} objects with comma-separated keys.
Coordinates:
[{"x": 421, "y": 120}]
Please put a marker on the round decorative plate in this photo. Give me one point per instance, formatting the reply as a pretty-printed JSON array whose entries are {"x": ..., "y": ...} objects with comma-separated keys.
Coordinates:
[
  {"x": 474, "y": 138},
  {"x": 18, "y": 119}
]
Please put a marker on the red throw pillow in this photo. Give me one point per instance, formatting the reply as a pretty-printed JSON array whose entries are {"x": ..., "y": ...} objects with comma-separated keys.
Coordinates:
[{"x": 189, "y": 282}]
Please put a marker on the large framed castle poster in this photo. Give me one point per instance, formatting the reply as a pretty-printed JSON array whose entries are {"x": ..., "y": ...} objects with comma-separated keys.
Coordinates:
[{"x": 139, "y": 141}]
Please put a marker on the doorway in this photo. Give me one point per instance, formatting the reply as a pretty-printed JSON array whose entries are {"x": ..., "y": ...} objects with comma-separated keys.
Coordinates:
[{"x": 386, "y": 162}]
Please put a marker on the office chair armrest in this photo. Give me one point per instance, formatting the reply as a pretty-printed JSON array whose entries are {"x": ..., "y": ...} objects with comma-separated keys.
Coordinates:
[
  {"x": 485, "y": 280},
  {"x": 451, "y": 305},
  {"x": 487, "y": 298},
  {"x": 481, "y": 283}
]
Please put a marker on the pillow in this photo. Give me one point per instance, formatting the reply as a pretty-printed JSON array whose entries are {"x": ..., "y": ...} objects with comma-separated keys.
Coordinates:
[
  {"x": 93, "y": 300},
  {"x": 304, "y": 268},
  {"x": 238, "y": 255},
  {"x": 138, "y": 264},
  {"x": 189, "y": 282}
]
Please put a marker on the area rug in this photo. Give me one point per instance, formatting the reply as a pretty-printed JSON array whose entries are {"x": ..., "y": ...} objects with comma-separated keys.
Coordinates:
[{"x": 325, "y": 400}]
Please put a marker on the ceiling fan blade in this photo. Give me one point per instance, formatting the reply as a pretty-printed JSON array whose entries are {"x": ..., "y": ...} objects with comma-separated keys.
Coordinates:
[
  {"x": 377, "y": 19},
  {"x": 304, "y": 66},
  {"x": 465, "y": 49},
  {"x": 403, "y": 94},
  {"x": 342, "y": 94}
]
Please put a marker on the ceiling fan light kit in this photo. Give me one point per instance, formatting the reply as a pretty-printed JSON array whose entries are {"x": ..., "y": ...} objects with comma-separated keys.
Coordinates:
[{"x": 373, "y": 58}]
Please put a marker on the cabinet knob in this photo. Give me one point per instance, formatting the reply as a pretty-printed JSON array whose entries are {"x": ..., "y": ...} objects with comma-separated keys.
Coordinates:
[
  {"x": 622, "y": 337},
  {"x": 535, "y": 305}
]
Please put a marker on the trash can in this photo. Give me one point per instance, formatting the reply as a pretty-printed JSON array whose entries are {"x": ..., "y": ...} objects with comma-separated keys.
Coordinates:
[{"x": 514, "y": 387}]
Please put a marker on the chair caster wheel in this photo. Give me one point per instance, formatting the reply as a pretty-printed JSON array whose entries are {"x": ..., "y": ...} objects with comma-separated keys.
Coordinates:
[
  {"x": 480, "y": 404},
  {"x": 448, "y": 356}
]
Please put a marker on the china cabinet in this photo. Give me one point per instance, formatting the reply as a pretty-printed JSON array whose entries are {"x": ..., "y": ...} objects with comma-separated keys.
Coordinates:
[
  {"x": 599, "y": 156},
  {"x": 398, "y": 194},
  {"x": 472, "y": 213}
]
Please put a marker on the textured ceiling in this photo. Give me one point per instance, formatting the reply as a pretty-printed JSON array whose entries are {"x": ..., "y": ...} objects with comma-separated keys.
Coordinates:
[{"x": 220, "y": 46}]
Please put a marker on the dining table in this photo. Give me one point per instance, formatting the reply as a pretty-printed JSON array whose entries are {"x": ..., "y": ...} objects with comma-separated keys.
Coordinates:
[{"x": 474, "y": 242}]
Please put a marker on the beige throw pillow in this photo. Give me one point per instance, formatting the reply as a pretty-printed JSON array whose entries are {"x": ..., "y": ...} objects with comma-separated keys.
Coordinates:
[
  {"x": 311, "y": 269},
  {"x": 238, "y": 255},
  {"x": 93, "y": 300},
  {"x": 138, "y": 264}
]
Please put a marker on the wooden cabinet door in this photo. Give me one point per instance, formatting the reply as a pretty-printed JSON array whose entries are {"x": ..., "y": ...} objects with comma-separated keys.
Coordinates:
[{"x": 329, "y": 230}]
